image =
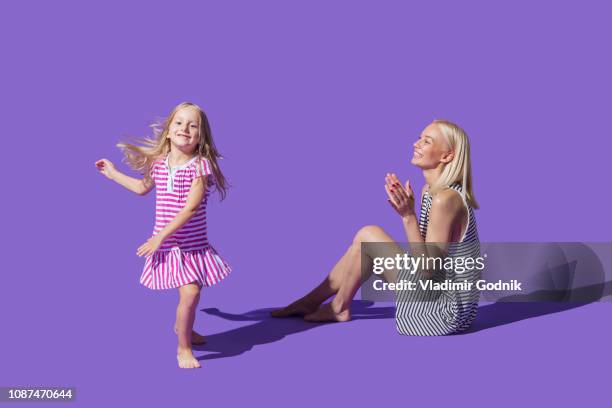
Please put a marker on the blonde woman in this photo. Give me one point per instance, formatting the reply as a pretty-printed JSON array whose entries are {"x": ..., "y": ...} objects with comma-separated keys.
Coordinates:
[
  {"x": 446, "y": 223},
  {"x": 181, "y": 162}
]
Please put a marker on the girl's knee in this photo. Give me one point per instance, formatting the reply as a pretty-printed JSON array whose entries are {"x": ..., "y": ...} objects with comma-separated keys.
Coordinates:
[{"x": 189, "y": 293}]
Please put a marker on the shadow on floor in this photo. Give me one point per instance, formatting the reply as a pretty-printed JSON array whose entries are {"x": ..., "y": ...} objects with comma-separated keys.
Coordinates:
[
  {"x": 514, "y": 308},
  {"x": 506, "y": 310},
  {"x": 268, "y": 329}
]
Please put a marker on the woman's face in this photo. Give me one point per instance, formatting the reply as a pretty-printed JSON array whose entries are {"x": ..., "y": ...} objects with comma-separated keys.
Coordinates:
[
  {"x": 431, "y": 148},
  {"x": 184, "y": 130}
]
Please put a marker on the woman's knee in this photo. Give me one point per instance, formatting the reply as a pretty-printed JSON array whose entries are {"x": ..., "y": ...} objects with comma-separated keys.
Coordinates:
[{"x": 369, "y": 233}]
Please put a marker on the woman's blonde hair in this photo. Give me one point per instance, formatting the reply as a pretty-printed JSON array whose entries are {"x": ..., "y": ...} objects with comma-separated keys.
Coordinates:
[
  {"x": 460, "y": 168},
  {"x": 141, "y": 154}
]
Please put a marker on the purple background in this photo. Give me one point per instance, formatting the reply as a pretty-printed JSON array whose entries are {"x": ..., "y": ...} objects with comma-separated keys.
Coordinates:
[{"x": 311, "y": 103}]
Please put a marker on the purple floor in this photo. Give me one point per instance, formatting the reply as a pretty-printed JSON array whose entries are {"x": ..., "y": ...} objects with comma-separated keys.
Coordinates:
[
  {"x": 515, "y": 354},
  {"x": 311, "y": 104}
]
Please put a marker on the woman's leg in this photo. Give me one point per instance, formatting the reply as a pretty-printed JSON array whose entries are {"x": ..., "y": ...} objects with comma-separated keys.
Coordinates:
[
  {"x": 343, "y": 275},
  {"x": 185, "y": 316},
  {"x": 353, "y": 276},
  {"x": 330, "y": 286}
]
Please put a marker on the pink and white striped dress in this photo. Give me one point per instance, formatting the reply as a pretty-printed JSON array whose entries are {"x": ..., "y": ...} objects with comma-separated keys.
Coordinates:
[{"x": 186, "y": 256}]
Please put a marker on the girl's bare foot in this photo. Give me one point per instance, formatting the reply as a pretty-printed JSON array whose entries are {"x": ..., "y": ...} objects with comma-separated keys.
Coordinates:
[
  {"x": 297, "y": 308},
  {"x": 186, "y": 359},
  {"x": 326, "y": 313},
  {"x": 196, "y": 338}
]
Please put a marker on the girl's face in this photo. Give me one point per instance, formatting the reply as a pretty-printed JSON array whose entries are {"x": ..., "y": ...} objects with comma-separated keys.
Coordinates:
[
  {"x": 184, "y": 130},
  {"x": 431, "y": 149}
]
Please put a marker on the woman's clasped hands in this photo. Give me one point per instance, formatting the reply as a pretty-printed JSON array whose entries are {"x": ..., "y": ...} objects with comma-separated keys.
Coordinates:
[{"x": 401, "y": 197}]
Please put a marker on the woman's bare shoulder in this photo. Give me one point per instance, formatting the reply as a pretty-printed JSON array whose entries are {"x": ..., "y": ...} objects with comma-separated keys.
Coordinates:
[{"x": 448, "y": 200}]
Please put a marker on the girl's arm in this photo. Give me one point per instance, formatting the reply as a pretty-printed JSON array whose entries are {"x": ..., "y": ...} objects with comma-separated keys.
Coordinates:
[
  {"x": 195, "y": 197},
  {"x": 138, "y": 186}
]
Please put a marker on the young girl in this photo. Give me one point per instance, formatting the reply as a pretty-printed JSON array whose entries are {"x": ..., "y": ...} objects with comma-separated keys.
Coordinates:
[{"x": 181, "y": 162}]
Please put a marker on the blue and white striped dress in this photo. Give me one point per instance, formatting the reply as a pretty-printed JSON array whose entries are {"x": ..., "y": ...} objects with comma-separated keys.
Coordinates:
[{"x": 425, "y": 313}]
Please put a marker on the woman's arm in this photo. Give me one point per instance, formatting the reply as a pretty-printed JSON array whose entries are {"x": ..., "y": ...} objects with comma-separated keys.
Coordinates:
[
  {"x": 444, "y": 219},
  {"x": 445, "y": 215},
  {"x": 402, "y": 200},
  {"x": 138, "y": 186},
  {"x": 410, "y": 221},
  {"x": 195, "y": 197}
]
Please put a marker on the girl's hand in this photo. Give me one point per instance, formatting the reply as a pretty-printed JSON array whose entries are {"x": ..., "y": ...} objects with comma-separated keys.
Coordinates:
[
  {"x": 150, "y": 246},
  {"x": 106, "y": 167},
  {"x": 400, "y": 198}
]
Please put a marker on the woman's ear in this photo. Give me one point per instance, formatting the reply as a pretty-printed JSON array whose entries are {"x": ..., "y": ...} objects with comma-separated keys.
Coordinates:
[{"x": 448, "y": 157}]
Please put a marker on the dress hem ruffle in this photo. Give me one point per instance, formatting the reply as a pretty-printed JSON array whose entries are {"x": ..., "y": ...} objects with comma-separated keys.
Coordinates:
[{"x": 175, "y": 268}]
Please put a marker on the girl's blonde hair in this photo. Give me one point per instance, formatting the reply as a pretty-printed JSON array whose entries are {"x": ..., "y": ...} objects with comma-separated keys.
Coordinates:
[
  {"x": 140, "y": 157},
  {"x": 460, "y": 168}
]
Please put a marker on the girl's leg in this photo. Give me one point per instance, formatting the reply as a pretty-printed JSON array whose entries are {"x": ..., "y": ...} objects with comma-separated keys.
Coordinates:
[
  {"x": 196, "y": 338},
  {"x": 336, "y": 278},
  {"x": 353, "y": 276},
  {"x": 185, "y": 316}
]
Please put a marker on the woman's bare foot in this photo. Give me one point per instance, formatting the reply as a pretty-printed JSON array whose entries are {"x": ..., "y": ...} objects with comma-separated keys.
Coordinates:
[
  {"x": 297, "y": 308},
  {"x": 326, "y": 313},
  {"x": 186, "y": 359},
  {"x": 196, "y": 338}
]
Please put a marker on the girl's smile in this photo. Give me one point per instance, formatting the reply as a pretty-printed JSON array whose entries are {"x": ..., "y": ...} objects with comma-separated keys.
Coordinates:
[{"x": 184, "y": 131}]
